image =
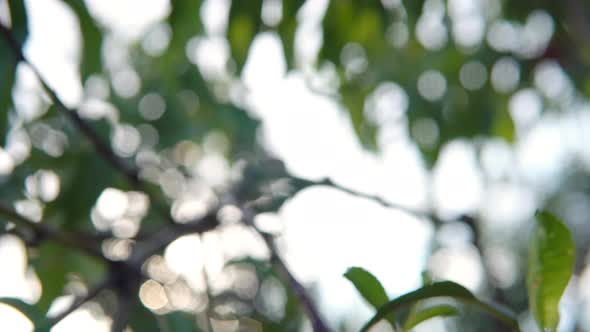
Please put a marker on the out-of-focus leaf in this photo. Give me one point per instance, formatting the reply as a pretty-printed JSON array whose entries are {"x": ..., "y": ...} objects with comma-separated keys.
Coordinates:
[
  {"x": 550, "y": 267},
  {"x": 91, "y": 39},
  {"x": 38, "y": 319},
  {"x": 368, "y": 286},
  {"x": 442, "y": 289},
  {"x": 51, "y": 265},
  {"x": 431, "y": 312},
  {"x": 244, "y": 22},
  {"x": 178, "y": 321},
  {"x": 353, "y": 97},
  {"x": 361, "y": 22},
  {"x": 142, "y": 319},
  {"x": 287, "y": 27},
  {"x": 504, "y": 126},
  {"x": 18, "y": 16},
  {"x": 84, "y": 175}
]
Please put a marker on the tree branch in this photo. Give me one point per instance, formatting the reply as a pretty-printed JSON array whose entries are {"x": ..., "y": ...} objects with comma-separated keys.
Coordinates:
[
  {"x": 374, "y": 198},
  {"x": 311, "y": 310},
  {"x": 44, "y": 230}
]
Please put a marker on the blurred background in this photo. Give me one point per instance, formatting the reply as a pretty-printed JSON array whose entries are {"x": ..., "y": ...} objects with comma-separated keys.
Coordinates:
[{"x": 454, "y": 120}]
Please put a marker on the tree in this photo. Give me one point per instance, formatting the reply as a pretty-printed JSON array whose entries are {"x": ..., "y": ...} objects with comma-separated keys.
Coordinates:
[{"x": 164, "y": 143}]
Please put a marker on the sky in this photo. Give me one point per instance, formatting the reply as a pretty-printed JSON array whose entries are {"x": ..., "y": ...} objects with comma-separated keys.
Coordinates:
[{"x": 295, "y": 121}]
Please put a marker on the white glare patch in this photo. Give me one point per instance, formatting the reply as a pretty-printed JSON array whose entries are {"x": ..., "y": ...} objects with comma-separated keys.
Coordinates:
[
  {"x": 5, "y": 14},
  {"x": 156, "y": 41},
  {"x": 126, "y": 82},
  {"x": 507, "y": 206},
  {"x": 112, "y": 203},
  {"x": 272, "y": 12},
  {"x": 126, "y": 140},
  {"x": 137, "y": 204},
  {"x": 536, "y": 34},
  {"x": 505, "y": 75},
  {"x": 172, "y": 182},
  {"x": 210, "y": 54},
  {"x": 457, "y": 183},
  {"x": 469, "y": 31},
  {"x": 503, "y": 265},
  {"x": 29, "y": 208},
  {"x": 153, "y": 295},
  {"x": 152, "y": 106},
  {"x": 214, "y": 168},
  {"x": 14, "y": 319},
  {"x": 188, "y": 208},
  {"x": 116, "y": 15},
  {"x": 44, "y": 184},
  {"x": 354, "y": 59},
  {"x": 18, "y": 146},
  {"x": 50, "y": 140},
  {"x": 95, "y": 109},
  {"x": 503, "y": 36},
  {"x": 398, "y": 34},
  {"x": 6, "y": 163},
  {"x": 461, "y": 265},
  {"x": 432, "y": 85},
  {"x": 185, "y": 256},
  {"x": 214, "y": 14},
  {"x": 387, "y": 104},
  {"x": 497, "y": 158},
  {"x": 473, "y": 75},
  {"x": 425, "y": 131},
  {"x": 97, "y": 86},
  {"x": 551, "y": 80},
  {"x": 431, "y": 31},
  {"x": 525, "y": 107}
]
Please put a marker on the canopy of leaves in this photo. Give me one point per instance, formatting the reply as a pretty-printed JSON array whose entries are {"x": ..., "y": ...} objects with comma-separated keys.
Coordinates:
[{"x": 164, "y": 123}]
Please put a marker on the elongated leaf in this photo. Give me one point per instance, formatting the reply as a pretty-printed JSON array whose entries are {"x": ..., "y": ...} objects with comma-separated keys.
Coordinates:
[
  {"x": 244, "y": 23},
  {"x": 92, "y": 39},
  {"x": 418, "y": 317},
  {"x": 52, "y": 267},
  {"x": 8, "y": 63},
  {"x": 31, "y": 311},
  {"x": 551, "y": 264},
  {"x": 442, "y": 289},
  {"x": 368, "y": 286}
]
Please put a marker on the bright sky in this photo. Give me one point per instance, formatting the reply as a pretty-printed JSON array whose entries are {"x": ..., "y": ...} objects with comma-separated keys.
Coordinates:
[{"x": 326, "y": 231}]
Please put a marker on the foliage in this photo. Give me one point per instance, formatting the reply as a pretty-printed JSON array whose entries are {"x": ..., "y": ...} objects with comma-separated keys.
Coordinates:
[{"x": 153, "y": 117}]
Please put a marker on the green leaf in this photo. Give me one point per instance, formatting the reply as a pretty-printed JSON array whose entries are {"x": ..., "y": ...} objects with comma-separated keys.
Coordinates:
[
  {"x": 8, "y": 64},
  {"x": 368, "y": 286},
  {"x": 91, "y": 37},
  {"x": 177, "y": 321},
  {"x": 32, "y": 312},
  {"x": 51, "y": 267},
  {"x": 418, "y": 317},
  {"x": 370, "y": 289},
  {"x": 442, "y": 289},
  {"x": 550, "y": 267},
  {"x": 244, "y": 22}
]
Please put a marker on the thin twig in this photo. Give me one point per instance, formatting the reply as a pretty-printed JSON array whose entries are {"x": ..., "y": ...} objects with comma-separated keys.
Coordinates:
[
  {"x": 125, "y": 303},
  {"x": 311, "y": 310},
  {"x": 81, "y": 300},
  {"x": 44, "y": 230},
  {"x": 374, "y": 198}
]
